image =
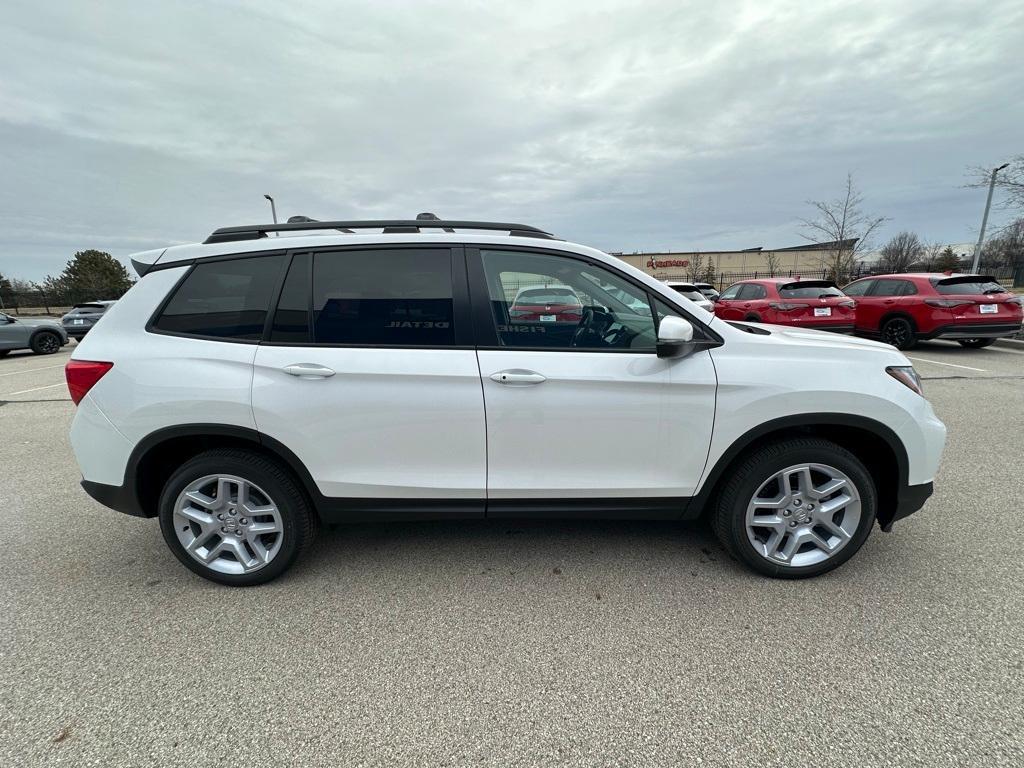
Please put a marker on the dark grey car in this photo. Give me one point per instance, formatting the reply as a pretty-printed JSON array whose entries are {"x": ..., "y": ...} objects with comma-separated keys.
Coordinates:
[
  {"x": 44, "y": 337},
  {"x": 82, "y": 317}
]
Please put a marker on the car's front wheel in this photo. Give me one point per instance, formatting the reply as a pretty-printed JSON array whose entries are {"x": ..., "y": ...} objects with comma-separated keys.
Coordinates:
[
  {"x": 976, "y": 343},
  {"x": 45, "y": 343},
  {"x": 235, "y": 517},
  {"x": 796, "y": 508}
]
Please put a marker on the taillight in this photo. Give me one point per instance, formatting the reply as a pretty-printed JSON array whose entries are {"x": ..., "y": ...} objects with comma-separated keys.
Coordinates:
[
  {"x": 82, "y": 375},
  {"x": 947, "y": 303},
  {"x": 849, "y": 304},
  {"x": 787, "y": 306}
]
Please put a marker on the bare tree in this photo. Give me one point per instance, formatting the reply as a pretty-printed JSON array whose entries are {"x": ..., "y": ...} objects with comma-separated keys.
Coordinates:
[
  {"x": 695, "y": 269},
  {"x": 709, "y": 272},
  {"x": 1009, "y": 181},
  {"x": 843, "y": 227},
  {"x": 901, "y": 252},
  {"x": 1005, "y": 251},
  {"x": 774, "y": 262},
  {"x": 930, "y": 255}
]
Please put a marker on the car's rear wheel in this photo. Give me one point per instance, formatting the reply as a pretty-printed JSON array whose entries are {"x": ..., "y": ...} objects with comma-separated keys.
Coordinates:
[
  {"x": 899, "y": 333},
  {"x": 235, "y": 517},
  {"x": 976, "y": 343},
  {"x": 796, "y": 508},
  {"x": 45, "y": 343}
]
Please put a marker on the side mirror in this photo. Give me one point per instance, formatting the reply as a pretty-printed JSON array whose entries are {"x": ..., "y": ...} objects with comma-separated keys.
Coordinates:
[{"x": 675, "y": 337}]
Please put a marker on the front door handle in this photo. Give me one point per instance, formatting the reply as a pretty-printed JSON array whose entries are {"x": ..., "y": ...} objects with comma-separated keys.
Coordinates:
[
  {"x": 308, "y": 371},
  {"x": 517, "y": 376}
]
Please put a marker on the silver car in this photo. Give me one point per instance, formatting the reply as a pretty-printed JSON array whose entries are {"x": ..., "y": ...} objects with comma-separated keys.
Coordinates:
[
  {"x": 43, "y": 337},
  {"x": 82, "y": 317}
]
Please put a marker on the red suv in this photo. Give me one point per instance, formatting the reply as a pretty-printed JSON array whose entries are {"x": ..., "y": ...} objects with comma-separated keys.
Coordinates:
[
  {"x": 816, "y": 304},
  {"x": 974, "y": 310}
]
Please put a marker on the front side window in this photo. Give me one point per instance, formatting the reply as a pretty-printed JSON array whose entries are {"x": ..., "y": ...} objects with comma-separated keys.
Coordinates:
[
  {"x": 585, "y": 307},
  {"x": 860, "y": 288},
  {"x": 223, "y": 299},
  {"x": 732, "y": 292},
  {"x": 399, "y": 297}
]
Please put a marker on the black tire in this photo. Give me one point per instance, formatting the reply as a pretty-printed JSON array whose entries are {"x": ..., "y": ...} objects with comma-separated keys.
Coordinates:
[
  {"x": 976, "y": 343},
  {"x": 45, "y": 343},
  {"x": 899, "y": 333},
  {"x": 753, "y": 470},
  {"x": 752, "y": 319},
  {"x": 300, "y": 522}
]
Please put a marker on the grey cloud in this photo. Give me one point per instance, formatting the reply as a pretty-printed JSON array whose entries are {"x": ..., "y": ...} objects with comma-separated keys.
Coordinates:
[{"x": 623, "y": 125}]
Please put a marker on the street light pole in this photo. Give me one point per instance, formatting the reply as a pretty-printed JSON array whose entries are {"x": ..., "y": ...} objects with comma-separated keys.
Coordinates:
[{"x": 984, "y": 218}]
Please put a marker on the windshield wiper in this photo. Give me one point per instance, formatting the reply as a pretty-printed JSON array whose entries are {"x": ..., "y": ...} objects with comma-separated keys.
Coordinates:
[{"x": 995, "y": 290}]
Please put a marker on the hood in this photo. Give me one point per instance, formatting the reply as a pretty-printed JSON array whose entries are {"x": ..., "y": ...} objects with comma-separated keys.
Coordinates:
[{"x": 785, "y": 334}]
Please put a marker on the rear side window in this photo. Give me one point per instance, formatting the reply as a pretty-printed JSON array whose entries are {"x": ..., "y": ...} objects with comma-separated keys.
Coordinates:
[
  {"x": 894, "y": 288},
  {"x": 968, "y": 287},
  {"x": 223, "y": 299},
  {"x": 753, "y": 291},
  {"x": 400, "y": 297}
]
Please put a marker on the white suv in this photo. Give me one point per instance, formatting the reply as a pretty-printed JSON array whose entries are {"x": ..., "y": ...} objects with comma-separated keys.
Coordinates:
[{"x": 249, "y": 388}]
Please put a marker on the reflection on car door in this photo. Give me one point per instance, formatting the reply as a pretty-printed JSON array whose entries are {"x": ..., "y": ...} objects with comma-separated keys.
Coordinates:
[
  {"x": 588, "y": 412},
  {"x": 375, "y": 383}
]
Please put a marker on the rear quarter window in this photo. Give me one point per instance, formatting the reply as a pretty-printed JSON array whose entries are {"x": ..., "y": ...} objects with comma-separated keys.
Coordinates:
[{"x": 223, "y": 299}]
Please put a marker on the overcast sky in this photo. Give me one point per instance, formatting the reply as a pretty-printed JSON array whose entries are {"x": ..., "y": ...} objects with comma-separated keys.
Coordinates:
[{"x": 633, "y": 125}]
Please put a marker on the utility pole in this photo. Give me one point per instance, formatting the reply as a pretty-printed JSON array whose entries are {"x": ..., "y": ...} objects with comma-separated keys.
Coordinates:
[{"x": 984, "y": 218}]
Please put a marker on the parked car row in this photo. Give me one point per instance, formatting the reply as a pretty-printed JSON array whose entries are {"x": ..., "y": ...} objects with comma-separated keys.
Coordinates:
[
  {"x": 44, "y": 336},
  {"x": 899, "y": 309}
]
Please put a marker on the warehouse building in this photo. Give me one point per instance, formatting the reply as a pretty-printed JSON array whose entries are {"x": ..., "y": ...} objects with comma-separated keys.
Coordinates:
[{"x": 799, "y": 259}]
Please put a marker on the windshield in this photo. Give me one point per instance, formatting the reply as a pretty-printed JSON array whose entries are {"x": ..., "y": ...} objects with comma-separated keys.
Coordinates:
[
  {"x": 809, "y": 291},
  {"x": 971, "y": 286}
]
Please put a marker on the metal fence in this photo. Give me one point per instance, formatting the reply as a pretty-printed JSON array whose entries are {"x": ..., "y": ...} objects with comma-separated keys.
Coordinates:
[{"x": 42, "y": 302}]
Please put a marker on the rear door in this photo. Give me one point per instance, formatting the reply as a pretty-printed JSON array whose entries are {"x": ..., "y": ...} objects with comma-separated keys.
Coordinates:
[
  {"x": 369, "y": 375},
  {"x": 583, "y": 415}
]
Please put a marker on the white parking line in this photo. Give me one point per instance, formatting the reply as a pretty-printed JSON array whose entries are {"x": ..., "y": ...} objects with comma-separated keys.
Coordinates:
[
  {"x": 34, "y": 389},
  {"x": 951, "y": 365},
  {"x": 30, "y": 370}
]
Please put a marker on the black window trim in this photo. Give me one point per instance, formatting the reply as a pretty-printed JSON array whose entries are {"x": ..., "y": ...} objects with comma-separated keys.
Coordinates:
[{"x": 483, "y": 319}]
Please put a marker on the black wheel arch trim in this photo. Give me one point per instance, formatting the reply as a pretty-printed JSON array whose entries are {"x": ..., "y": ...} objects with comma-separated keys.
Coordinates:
[
  {"x": 888, "y": 509},
  {"x": 126, "y": 498}
]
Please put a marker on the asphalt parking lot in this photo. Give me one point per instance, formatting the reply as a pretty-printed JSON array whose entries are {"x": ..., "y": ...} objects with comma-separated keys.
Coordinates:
[{"x": 489, "y": 643}]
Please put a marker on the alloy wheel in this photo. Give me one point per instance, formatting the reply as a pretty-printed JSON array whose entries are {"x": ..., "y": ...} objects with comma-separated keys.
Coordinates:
[
  {"x": 897, "y": 333},
  {"x": 48, "y": 344},
  {"x": 228, "y": 524},
  {"x": 803, "y": 515}
]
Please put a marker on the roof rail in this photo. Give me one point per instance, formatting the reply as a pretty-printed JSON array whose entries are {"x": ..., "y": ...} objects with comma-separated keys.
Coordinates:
[{"x": 304, "y": 223}]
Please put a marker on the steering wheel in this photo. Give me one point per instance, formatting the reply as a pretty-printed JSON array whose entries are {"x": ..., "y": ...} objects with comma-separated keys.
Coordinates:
[{"x": 594, "y": 324}]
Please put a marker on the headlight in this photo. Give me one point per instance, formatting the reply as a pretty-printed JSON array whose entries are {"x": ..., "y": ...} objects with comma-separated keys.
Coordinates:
[{"x": 906, "y": 375}]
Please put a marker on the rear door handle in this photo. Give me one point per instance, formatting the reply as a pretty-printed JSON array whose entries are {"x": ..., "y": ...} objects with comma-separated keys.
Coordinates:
[
  {"x": 517, "y": 376},
  {"x": 308, "y": 371}
]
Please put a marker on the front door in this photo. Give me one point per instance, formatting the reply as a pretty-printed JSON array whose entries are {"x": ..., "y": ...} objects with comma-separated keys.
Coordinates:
[
  {"x": 366, "y": 377},
  {"x": 582, "y": 415}
]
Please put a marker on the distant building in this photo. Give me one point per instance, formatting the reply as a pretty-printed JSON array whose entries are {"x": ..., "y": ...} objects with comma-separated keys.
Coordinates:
[{"x": 809, "y": 258}]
